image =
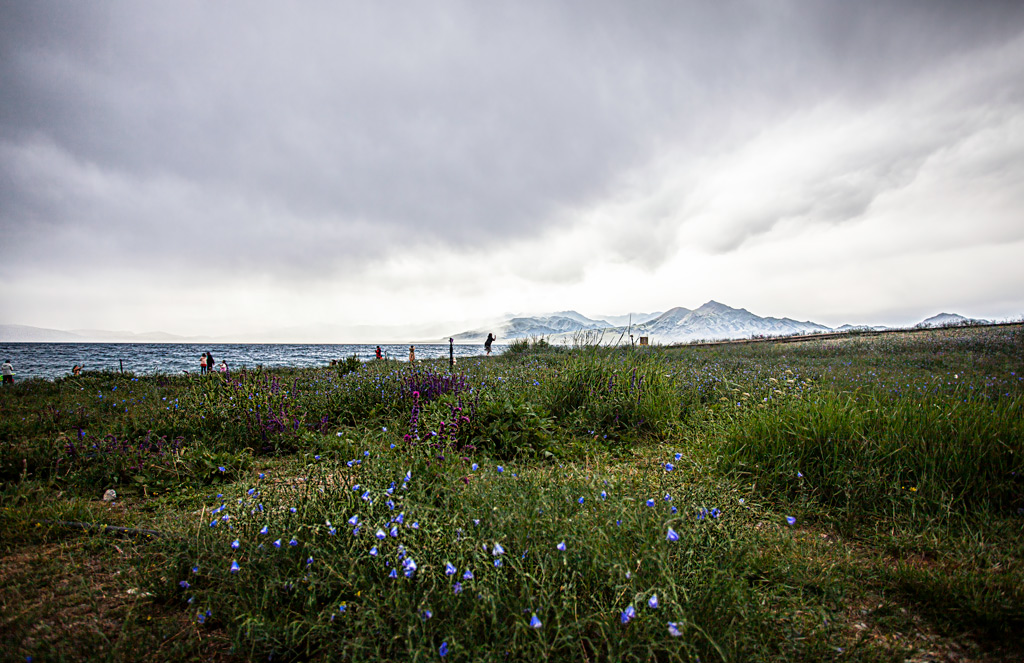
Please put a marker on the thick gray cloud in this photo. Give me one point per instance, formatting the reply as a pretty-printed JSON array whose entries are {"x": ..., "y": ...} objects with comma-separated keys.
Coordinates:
[{"x": 314, "y": 137}]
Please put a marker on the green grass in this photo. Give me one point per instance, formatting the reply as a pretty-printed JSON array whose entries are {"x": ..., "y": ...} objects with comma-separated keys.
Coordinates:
[{"x": 897, "y": 459}]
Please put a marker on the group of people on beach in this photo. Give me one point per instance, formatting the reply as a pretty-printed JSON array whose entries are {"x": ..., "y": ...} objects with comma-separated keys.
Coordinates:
[
  {"x": 207, "y": 365},
  {"x": 412, "y": 349}
]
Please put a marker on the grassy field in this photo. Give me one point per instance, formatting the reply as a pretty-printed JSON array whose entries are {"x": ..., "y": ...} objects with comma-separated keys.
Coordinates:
[{"x": 854, "y": 499}]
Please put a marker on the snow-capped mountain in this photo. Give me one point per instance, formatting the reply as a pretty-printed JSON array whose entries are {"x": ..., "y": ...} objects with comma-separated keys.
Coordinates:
[
  {"x": 949, "y": 320},
  {"x": 554, "y": 324},
  {"x": 715, "y": 321}
]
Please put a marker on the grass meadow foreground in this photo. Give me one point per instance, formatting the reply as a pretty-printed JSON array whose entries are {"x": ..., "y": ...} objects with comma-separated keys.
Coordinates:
[{"x": 856, "y": 499}]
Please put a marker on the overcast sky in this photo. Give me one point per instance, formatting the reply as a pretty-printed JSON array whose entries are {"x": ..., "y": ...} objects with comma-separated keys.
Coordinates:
[{"x": 222, "y": 167}]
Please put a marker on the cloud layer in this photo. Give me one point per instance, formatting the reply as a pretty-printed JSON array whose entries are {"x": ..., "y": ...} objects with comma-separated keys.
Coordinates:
[{"x": 238, "y": 166}]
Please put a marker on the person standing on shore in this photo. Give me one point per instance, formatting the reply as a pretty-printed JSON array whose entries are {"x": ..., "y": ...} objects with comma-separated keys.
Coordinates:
[
  {"x": 202, "y": 364},
  {"x": 487, "y": 343},
  {"x": 210, "y": 365},
  {"x": 379, "y": 356},
  {"x": 412, "y": 354},
  {"x": 8, "y": 371}
]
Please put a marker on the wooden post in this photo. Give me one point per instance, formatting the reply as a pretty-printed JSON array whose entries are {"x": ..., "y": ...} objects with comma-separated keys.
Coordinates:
[
  {"x": 451, "y": 352},
  {"x": 121, "y": 361}
]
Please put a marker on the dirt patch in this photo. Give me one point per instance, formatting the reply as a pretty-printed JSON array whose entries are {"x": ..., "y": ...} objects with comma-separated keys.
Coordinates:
[{"x": 78, "y": 600}]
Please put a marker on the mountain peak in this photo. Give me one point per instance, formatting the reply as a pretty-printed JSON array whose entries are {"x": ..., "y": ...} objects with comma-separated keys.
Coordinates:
[{"x": 712, "y": 305}]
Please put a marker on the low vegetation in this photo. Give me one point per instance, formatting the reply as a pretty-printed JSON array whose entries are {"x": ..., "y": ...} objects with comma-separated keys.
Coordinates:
[{"x": 834, "y": 499}]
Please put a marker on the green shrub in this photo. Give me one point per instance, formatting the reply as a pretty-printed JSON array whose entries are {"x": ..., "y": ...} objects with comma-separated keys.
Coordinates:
[
  {"x": 605, "y": 391},
  {"x": 507, "y": 425},
  {"x": 930, "y": 454}
]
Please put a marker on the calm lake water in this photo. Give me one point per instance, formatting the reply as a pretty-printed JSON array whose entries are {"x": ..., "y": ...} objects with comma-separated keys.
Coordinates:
[{"x": 54, "y": 360}]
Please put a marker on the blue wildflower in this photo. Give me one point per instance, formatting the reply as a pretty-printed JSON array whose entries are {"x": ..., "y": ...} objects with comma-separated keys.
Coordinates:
[
  {"x": 671, "y": 536},
  {"x": 235, "y": 568},
  {"x": 673, "y": 630},
  {"x": 497, "y": 550},
  {"x": 293, "y": 542},
  {"x": 653, "y": 602},
  {"x": 669, "y": 467},
  {"x": 650, "y": 502},
  {"x": 534, "y": 622},
  {"x": 263, "y": 530},
  {"x": 393, "y": 574},
  {"x": 449, "y": 569},
  {"x": 277, "y": 544},
  {"x": 457, "y": 588},
  {"x": 628, "y": 614},
  {"x": 443, "y": 649},
  {"x": 380, "y": 534},
  {"x": 373, "y": 551},
  {"x": 235, "y": 544},
  {"x": 500, "y": 469},
  {"x": 468, "y": 575},
  {"x": 604, "y": 495},
  {"x": 354, "y": 520},
  {"x": 561, "y": 546},
  {"x": 791, "y": 520}
]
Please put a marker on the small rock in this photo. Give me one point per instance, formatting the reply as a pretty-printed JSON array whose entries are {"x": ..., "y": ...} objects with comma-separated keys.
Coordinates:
[{"x": 109, "y": 496}]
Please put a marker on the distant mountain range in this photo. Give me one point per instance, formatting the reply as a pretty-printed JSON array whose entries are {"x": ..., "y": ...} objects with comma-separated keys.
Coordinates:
[
  {"x": 712, "y": 321},
  {"x": 26, "y": 334}
]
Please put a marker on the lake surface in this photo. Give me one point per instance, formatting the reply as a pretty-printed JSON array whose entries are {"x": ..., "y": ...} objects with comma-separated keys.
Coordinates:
[{"x": 54, "y": 360}]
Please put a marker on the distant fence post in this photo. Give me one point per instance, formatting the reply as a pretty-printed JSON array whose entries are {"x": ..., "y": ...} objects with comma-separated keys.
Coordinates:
[
  {"x": 451, "y": 351},
  {"x": 121, "y": 362}
]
